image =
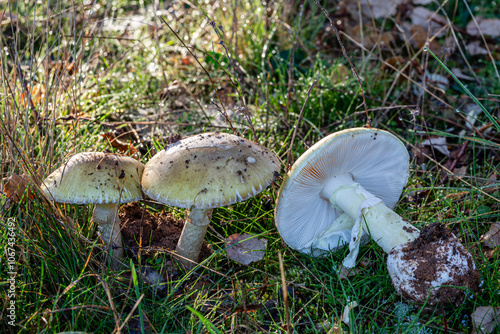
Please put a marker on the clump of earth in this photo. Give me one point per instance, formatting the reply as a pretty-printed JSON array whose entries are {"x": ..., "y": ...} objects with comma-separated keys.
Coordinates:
[
  {"x": 434, "y": 268},
  {"x": 154, "y": 232}
]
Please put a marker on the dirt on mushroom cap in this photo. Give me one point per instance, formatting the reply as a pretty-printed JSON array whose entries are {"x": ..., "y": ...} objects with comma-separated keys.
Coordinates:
[
  {"x": 209, "y": 170},
  {"x": 95, "y": 177}
]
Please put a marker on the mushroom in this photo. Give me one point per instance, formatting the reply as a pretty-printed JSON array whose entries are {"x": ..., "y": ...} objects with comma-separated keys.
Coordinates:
[
  {"x": 348, "y": 177},
  {"x": 203, "y": 172},
  {"x": 343, "y": 188},
  {"x": 433, "y": 267},
  {"x": 104, "y": 180}
]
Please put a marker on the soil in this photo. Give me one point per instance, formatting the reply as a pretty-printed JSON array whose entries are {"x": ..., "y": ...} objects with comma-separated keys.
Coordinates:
[
  {"x": 436, "y": 258},
  {"x": 160, "y": 232}
]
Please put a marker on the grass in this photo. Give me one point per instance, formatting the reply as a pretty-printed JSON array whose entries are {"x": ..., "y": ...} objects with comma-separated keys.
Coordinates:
[{"x": 71, "y": 72}]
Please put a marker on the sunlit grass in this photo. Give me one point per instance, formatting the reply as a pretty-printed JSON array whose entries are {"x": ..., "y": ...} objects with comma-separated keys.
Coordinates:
[{"x": 113, "y": 66}]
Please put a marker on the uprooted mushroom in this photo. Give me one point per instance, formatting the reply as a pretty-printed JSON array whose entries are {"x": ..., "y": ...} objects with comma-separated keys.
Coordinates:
[{"x": 342, "y": 189}]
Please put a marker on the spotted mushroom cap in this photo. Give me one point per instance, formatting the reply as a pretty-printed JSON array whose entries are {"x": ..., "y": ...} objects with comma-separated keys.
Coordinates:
[
  {"x": 95, "y": 177},
  {"x": 375, "y": 159},
  {"x": 209, "y": 170}
]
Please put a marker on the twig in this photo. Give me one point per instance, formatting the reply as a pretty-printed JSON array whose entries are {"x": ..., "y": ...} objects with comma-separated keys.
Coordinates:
[
  {"x": 285, "y": 293},
  {"x": 130, "y": 313},
  {"x": 195, "y": 58},
  {"x": 111, "y": 304},
  {"x": 223, "y": 113},
  {"x": 220, "y": 34}
]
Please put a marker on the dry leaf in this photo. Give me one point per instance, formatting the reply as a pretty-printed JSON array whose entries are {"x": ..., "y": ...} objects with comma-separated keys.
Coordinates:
[
  {"x": 485, "y": 319},
  {"x": 8, "y": 19},
  {"x": 475, "y": 48},
  {"x": 472, "y": 110},
  {"x": 419, "y": 38},
  {"x": 245, "y": 248},
  {"x": 438, "y": 143},
  {"x": 492, "y": 184},
  {"x": 15, "y": 189},
  {"x": 449, "y": 46},
  {"x": 347, "y": 309},
  {"x": 461, "y": 75},
  {"x": 428, "y": 19},
  {"x": 123, "y": 148},
  {"x": 335, "y": 330},
  {"x": 379, "y": 8},
  {"x": 490, "y": 253},
  {"x": 492, "y": 237},
  {"x": 345, "y": 273},
  {"x": 489, "y": 27},
  {"x": 420, "y": 153},
  {"x": 35, "y": 95},
  {"x": 372, "y": 38},
  {"x": 432, "y": 80}
]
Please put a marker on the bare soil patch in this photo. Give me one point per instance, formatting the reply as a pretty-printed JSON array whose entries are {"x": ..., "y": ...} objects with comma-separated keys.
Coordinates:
[{"x": 151, "y": 232}]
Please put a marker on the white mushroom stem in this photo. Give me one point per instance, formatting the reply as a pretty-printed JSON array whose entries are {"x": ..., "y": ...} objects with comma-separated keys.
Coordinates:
[
  {"x": 192, "y": 236},
  {"x": 106, "y": 216},
  {"x": 386, "y": 227}
]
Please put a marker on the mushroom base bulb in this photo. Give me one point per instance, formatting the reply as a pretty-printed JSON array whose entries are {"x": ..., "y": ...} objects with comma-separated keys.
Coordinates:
[{"x": 434, "y": 268}]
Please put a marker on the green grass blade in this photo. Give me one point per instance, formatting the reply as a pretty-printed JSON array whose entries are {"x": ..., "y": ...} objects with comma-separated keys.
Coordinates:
[
  {"x": 466, "y": 90},
  {"x": 210, "y": 326}
]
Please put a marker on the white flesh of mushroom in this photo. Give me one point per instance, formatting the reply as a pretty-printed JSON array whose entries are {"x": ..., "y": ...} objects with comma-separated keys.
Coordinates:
[
  {"x": 192, "y": 236},
  {"x": 369, "y": 213},
  {"x": 106, "y": 216},
  {"x": 334, "y": 236}
]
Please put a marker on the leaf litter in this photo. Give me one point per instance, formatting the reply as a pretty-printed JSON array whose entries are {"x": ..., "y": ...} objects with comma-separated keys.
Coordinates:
[
  {"x": 17, "y": 190},
  {"x": 245, "y": 248},
  {"x": 485, "y": 319},
  {"x": 492, "y": 238}
]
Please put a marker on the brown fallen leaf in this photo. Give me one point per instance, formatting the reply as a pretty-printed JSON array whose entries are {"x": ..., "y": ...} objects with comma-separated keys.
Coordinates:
[
  {"x": 476, "y": 48},
  {"x": 492, "y": 238},
  {"x": 345, "y": 273},
  {"x": 438, "y": 143},
  {"x": 34, "y": 94},
  {"x": 122, "y": 147},
  {"x": 489, "y": 253},
  {"x": 372, "y": 8},
  {"x": 245, "y": 248},
  {"x": 15, "y": 189},
  {"x": 428, "y": 20},
  {"x": 485, "y": 319},
  {"x": 492, "y": 183},
  {"x": 489, "y": 27},
  {"x": 371, "y": 38},
  {"x": 461, "y": 75},
  {"x": 419, "y": 38}
]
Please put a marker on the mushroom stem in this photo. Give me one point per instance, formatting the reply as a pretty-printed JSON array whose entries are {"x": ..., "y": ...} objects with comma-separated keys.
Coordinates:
[
  {"x": 106, "y": 216},
  {"x": 192, "y": 236},
  {"x": 386, "y": 227}
]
